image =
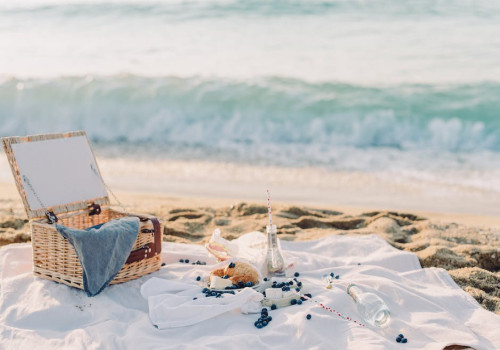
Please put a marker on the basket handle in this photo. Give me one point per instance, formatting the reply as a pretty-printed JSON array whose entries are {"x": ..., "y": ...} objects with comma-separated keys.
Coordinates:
[{"x": 149, "y": 250}]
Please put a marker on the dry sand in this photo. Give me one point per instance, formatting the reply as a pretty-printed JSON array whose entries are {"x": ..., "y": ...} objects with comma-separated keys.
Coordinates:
[{"x": 467, "y": 246}]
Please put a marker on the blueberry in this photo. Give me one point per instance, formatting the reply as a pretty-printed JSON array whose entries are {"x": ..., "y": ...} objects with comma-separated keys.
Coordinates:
[
  {"x": 296, "y": 274},
  {"x": 308, "y": 295},
  {"x": 299, "y": 302},
  {"x": 265, "y": 279},
  {"x": 404, "y": 340},
  {"x": 398, "y": 339},
  {"x": 264, "y": 309},
  {"x": 181, "y": 260},
  {"x": 235, "y": 286},
  {"x": 240, "y": 284},
  {"x": 332, "y": 274},
  {"x": 297, "y": 289},
  {"x": 290, "y": 283},
  {"x": 186, "y": 261},
  {"x": 273, "y": 307},
  {"x": 308, "y": 316},
  {"x": 258, "y": 325},
  {"x": 293, "y": 302},
  {"x": 204, "y": 290},
  {"x": 299, "y": 284},
  {"x": 264, "y": 323},
  {"x": 195, "y": 298},
  {"x": 401, "y": 336},
  {"x": 208, "y": 295},
  {"x": 269, "y": 318},
  {"x": 283, "y": 289},
  {"x": 198, "y": 262},
  {"x": 198, "y": 278},
  {"x": 225, "y": 277},
  {"x": 231, "y": 265},
  {"x": 337, "y": 277},
  {"x": 163, "y": 264},
  {"x": 248, "y": 284}
]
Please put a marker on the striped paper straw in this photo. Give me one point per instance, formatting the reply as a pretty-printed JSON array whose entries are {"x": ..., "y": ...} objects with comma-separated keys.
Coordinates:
[{"x": 269, "y": 208}]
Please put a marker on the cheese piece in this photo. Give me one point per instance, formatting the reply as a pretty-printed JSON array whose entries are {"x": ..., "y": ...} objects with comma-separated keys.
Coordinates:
[
  {"x": 275, "y": 296},
  {"x": 219, "y": 283},
  {"x": 274, "y": 293}
]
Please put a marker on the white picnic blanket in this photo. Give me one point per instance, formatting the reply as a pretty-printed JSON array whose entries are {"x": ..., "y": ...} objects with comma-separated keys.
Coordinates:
[{"x": 426, "y": 305}]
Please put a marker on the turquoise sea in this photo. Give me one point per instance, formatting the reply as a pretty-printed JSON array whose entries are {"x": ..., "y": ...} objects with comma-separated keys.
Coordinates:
[{"x": 410, "y": 86}]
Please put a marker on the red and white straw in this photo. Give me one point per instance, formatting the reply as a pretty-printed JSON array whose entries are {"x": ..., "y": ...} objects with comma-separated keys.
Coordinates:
[{"x": 269, "y": 209}]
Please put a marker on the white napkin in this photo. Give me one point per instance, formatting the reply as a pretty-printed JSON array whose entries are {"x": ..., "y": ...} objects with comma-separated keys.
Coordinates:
[{"x": 172, "y": 304}]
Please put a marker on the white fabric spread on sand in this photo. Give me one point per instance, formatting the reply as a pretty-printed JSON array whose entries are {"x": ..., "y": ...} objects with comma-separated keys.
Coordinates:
[{"x": 426, "y": 305}]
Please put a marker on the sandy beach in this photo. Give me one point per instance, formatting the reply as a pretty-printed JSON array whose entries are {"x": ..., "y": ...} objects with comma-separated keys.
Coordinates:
[{"x": 467, "y": 246}]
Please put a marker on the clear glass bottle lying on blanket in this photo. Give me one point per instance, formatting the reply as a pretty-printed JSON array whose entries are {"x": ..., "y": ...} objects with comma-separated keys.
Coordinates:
[
  {"x": 371, "y": 307},
  {"x": 274, "y": 261}
]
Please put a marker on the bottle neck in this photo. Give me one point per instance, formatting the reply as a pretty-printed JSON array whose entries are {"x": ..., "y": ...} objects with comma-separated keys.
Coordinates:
[
  {"x": 272, "y": 237},
  {"x": 354, "y": 292}
]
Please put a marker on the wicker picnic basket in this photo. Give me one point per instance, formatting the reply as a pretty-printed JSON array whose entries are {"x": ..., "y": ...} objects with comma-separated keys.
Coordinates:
[{"x": 56, "y": 184}]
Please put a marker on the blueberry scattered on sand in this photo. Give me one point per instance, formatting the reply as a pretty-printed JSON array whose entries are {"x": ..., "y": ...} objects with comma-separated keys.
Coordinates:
[
  {"x": 181, "y": 260},
  {"x": 231, "y": 265},
  {"x": 299, "y": 302},
  {"x": 273, "y": 307},
  {"x": 186, "y": 261},
  {"x": 308, "y": 316},
  {"x": 296, "y": 274},
  {"x": 198, "y": 278}
]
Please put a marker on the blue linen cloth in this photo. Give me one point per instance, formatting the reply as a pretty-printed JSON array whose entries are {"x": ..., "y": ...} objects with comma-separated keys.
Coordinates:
[{"x": 102, "y": 250}]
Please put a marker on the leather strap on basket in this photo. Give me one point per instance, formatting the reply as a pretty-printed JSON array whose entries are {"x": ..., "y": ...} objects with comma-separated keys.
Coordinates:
[{"x": 149, "y": 250}]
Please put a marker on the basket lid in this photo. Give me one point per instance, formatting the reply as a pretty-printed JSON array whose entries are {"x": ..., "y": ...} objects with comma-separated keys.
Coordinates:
[{"x": 55, "y": 171}]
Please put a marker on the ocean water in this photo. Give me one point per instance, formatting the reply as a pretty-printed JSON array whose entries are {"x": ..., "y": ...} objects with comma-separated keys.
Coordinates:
[{"x": 409, "y": 87}]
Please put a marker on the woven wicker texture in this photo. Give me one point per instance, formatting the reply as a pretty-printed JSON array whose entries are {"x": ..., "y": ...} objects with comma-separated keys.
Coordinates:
[{"x": 54, "y": 258}]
